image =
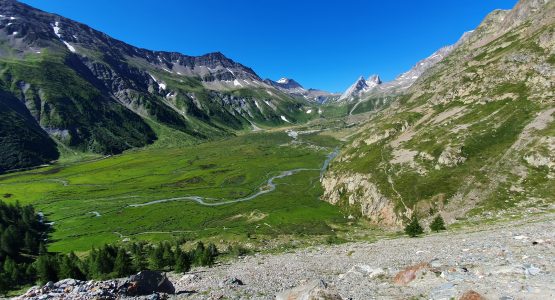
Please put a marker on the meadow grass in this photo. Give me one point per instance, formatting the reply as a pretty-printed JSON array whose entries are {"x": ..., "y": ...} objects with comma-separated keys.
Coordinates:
[{"x": 89, "y": 201}]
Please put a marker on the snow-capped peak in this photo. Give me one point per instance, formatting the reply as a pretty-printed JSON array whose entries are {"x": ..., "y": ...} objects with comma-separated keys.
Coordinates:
[
  {"x": 287, "y": 83},
  {"x": 283, "y": 80}
]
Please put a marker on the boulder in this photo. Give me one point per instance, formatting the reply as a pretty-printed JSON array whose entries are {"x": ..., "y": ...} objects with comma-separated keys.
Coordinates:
[
  {"x": 149, "y": 282},
  {"x": 409, "y": 274},
  {"x": 364, "y": 270},
  {"x": 471, "y": 295},
  {"x": 232, "y": 281},
  {"x": 313, "y": 290}
]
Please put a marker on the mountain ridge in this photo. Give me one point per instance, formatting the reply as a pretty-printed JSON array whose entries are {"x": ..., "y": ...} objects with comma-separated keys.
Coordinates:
[
  {"x": 122, "y": 86},
  {"x": 470, "y": 138}
]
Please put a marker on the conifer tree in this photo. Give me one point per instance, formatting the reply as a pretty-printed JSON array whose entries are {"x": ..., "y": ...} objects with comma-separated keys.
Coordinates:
[
  {"x": 437, "y": 224},
  {"x": 182, "y": 261},
  {"x": 122, "y": 264},
  {"x": 168, "y": 255},
  {"x": 69, "y": 267},
  {"x": 156, "y": 257},
  {"x": 414, "y": 229},
  {"x": 46, "y": 267}
]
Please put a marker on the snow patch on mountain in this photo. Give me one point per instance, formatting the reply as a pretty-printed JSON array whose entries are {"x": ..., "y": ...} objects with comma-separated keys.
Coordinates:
[
  {"x": 70, "y": 47},
  {"x": 56, "y": 28},
  {"x": 285, "y": 119},
  {"x": 283, "y": 81}
]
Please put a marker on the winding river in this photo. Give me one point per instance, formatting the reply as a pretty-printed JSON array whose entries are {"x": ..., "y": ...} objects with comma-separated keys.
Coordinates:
[{"x": 269, "y": 187}]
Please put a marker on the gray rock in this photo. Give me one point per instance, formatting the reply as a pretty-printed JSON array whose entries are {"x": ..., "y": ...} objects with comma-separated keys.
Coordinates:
[
  {"x": 148, "y": 282},
  {"x": 314, "y": 290},
  {"x": 532, "y": 270},
  {"x": 233, "y": 281},
  {"x": 444, "y": 291}
]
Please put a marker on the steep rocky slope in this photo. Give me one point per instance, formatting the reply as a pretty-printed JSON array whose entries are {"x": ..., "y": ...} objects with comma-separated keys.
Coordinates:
[
  {"x": 474, "y": 133},
  {"x": 91, "y": 92}
]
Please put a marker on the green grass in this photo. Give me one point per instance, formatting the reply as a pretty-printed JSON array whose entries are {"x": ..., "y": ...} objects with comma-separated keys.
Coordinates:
[{"x": 232, "y": 168}]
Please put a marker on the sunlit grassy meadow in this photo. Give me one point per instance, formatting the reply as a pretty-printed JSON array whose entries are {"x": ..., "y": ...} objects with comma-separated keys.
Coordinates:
[{"x": 88, "y": 201}]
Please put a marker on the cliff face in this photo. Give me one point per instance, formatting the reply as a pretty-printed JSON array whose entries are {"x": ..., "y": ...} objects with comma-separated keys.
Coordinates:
[{"x": 357, "y": 190}]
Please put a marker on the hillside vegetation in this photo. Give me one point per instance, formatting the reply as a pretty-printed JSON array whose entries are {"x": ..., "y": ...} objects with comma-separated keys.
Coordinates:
[{"x": 474, "y": 135}]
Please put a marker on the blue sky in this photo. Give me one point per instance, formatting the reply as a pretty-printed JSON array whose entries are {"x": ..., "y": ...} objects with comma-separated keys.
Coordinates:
[{"x": 321, "y": 44}]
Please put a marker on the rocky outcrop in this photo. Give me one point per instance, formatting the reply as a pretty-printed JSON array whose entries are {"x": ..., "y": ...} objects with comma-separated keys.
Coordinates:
[
  {"x": 153, "y": 284},
  {"x": 451, "y": 156},
  {"x": 360, "y": 87},
  {"x": 357, "y": 190}
]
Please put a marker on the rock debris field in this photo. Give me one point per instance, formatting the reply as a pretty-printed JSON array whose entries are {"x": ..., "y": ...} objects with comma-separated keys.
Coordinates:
[{"x": 504, "y": 261}]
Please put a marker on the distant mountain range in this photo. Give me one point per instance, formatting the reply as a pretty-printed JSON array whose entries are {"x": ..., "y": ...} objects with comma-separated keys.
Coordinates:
[
  {"x": 293, "y": 88},
  {"x": 66, "y": 85}
]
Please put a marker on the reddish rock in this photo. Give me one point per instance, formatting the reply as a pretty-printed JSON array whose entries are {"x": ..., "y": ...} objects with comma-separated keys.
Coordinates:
[
  {"x": 409, "y": 274},
  {"x": 472, "y": 295}
]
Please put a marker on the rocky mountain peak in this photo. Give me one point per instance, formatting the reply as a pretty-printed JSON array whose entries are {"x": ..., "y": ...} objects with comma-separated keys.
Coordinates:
[
  {"x": 374, "y": 79},
  {"x": 288, "y": 83},
  {"x": 356, "y": 89}
]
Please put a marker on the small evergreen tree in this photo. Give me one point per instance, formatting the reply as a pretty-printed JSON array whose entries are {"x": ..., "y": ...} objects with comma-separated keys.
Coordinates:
[
  {"x": 122, "y": 265},
  {"x": 156, "y": 257},
  {"x": 30, "y": 242},
  {"x": 46, "y": 267},
  {"x": 168, "y": 256},
  {"x": 414, "y": 229},
  {"x": 182, "y": 261},
  {"x": 4, "y": 284},
  {"x": 139, "y": 258},
  {"x": 10, "y": 270},
  {"x": 198, "y": 254},
  {"x": 437, "y": 224},
  {"x": 69, "y": 267},
  {"x": 30, "y": 272},
  {"x": 213, "y": 250},
  {"x": 9, "y": 241}
]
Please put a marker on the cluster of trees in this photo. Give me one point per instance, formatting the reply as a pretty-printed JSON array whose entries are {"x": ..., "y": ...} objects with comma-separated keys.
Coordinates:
[
  {"x": 413, "y": 228},
  {"x": 22, "y": 235},
  {"x": 24, "y": 258},
  {"x": 112, "y": 261}
]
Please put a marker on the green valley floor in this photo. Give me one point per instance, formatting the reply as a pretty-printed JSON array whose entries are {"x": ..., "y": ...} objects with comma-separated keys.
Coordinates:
[{"x": 259, "y": 188}]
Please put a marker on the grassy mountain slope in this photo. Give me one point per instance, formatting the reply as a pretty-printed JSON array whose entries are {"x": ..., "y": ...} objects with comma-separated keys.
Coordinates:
[
  {"x": 22, "y": 141},
  {"x": 475, "y": 134},
  {"x": 92, "y": 93}
]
